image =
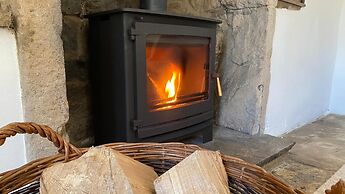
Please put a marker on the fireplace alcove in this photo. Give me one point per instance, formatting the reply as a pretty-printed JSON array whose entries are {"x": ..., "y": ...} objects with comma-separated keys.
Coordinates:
[
  {"x": 244, "y": 45},
  {"x": 152, "y": 75}
]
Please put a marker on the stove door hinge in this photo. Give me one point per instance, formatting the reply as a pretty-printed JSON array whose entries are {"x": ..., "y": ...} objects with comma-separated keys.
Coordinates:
[
  {"x": 137, "y": 124},
  {"x": 131, "y": 34}
]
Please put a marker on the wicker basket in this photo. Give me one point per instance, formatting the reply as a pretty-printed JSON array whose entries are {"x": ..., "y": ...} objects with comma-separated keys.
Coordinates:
[{"x": 243, "y": 177}]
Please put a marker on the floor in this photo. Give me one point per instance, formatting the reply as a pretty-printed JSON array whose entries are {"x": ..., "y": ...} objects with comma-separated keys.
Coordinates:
[
  {"x": 319, "y": 152},
  {"x": 304, "y": 158}
]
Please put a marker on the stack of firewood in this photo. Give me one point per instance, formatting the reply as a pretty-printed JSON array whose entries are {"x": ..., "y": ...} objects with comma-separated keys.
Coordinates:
[{"x": 103, "y": 170}]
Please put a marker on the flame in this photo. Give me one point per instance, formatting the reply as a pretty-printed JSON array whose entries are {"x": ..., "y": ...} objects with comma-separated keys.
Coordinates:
[{"x": 172, "y": 86}]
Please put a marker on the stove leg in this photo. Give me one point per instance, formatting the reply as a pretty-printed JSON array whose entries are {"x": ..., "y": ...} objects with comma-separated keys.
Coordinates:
[{"x": 207, "y": 135}]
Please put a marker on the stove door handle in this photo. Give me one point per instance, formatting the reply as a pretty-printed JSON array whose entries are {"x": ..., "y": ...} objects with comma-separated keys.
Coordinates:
[{"x": 219, "y": 86}]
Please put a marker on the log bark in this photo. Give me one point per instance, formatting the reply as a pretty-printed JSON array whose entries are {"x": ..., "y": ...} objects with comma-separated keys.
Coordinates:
[{"x": 338, "y": 188}]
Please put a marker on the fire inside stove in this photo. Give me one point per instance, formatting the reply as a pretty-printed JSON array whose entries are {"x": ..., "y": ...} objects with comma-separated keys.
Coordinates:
[
  {"x": 171, "y": 88},
  {"x": 177, "y": 69}
]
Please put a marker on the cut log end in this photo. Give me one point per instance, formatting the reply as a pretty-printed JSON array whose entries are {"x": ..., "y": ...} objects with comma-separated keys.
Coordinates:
[
  {"x": 201, "y": 172},
  {"x": 100, "y": 170}
]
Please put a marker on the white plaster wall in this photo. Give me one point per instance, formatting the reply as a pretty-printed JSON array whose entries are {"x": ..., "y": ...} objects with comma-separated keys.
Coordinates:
[
  {"x": 12, "y": 153},
  {"x": 338, "y": 90},
  {"x": 304, "y": 53}
]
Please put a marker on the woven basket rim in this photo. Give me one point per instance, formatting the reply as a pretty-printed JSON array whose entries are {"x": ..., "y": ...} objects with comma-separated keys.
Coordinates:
[{"x": 161, "y": 156}]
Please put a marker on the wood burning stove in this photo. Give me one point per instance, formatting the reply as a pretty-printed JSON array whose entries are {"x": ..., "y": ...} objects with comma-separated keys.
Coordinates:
[{"x": 151, "y": 75}]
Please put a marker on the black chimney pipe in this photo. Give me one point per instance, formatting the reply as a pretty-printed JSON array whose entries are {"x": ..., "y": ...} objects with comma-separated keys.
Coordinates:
[{"x": 154, "y": 5}]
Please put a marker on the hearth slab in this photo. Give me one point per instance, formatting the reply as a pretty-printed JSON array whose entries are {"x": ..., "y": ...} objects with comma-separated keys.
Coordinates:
[{"x": 258, "y": 150}]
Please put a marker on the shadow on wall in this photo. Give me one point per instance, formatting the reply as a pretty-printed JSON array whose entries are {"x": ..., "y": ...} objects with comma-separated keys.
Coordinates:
[{"x": 338, "y": 90}]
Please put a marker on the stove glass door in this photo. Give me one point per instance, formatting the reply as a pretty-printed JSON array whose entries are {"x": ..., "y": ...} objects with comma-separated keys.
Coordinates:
[{"x": 177, "y": 69}]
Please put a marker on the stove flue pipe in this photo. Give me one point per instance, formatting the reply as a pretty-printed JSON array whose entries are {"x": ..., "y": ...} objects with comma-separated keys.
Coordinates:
[{"x": 154, "y": 5}]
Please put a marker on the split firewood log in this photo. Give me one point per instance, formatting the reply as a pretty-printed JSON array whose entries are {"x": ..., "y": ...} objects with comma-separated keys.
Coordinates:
[
  {"x": 338, "y": 188},
  {"x": 100, "y": 170},
  {"x": 201, "y": 172}
]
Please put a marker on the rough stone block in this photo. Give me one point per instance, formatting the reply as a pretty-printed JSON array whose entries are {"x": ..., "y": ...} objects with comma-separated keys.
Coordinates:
[
  {"x": 5, "y": 16},
  {"x": 245, "y": 69},
  {"x": 100, "y": 170},
  {"x": 201, "y": 172},
  {"x": 253, "y": 4},
  {"x": 284, "y": 5},
  {"x": 71, "y": 7},
  {"x": 42, "y": 69},
  {"x": 79, "y": 126},
  {"x": 204, "y": 8},
  {"x": 74, "y": 36},
  {"x": 94, "y": 6}
]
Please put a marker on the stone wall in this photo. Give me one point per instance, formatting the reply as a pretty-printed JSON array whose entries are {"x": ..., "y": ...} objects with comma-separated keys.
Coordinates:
[
  {"x": 74, "y": 35},
  {"x": 6, "y": 18},
  {"x": 38, "y": 26},
  {"x": 244, "y": 41},
  {"x": 244, "y": 44}
]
